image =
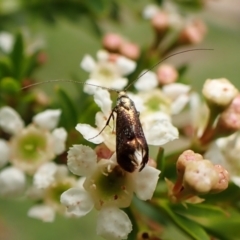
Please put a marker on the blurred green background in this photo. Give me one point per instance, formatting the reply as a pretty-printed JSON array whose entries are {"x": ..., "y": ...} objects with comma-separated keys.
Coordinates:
[{"x": 69, "y": 30}]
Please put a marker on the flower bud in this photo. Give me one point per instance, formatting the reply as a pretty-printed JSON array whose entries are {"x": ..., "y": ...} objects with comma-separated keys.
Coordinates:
[
  {"x": 166, "y": 74},
  {"x": 229, "y": 121},
  {"x": 200, "y": 176},
  {"x": 219, "y": 92},
  {"x": 130, "y": 50},
  {"x": 223, "y": 179},
  {"x": 112, "y": 42},
  {"x": 193, "y": 33},
  {"x": 184, "y": 159},
  {"x": 160, "y": 22}
]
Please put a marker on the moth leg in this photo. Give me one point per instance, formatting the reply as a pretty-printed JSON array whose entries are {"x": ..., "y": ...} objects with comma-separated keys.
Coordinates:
[
  {"x": 138, "y": 113},
  {"x": 107, "y": 124}
]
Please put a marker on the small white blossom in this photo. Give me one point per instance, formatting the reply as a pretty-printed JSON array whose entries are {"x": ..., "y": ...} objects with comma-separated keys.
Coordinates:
[
  {"x": 30, "y": 148},
  {"x": 106, "y": 73},
  {"x": 12, "y": 182},
  {"x": 47, "y": 119},
  {"x": 42, "y": 212},
  {"x": 5, "y": 152},
  {"x": 10, "y": 120},
  {"x": 113, "y": 224}
]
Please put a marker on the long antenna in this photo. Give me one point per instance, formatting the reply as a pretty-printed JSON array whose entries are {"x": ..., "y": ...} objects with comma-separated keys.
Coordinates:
[
  {"x": 66, "y": 80},
  {"x": 162, "y": 60},
  {"x": 115, "y": 90}
]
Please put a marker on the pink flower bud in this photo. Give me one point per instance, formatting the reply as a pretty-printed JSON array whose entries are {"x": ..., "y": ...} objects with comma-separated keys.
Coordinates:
[
  {"x": 223, "y": 179},
  {"x": 184, "y": 159},
  {"x": 130, "y": 50},
  {"x": 166, "y": 74},
  {"x": 229, "y": 121},
  {"x": 160, "y": 21},
  {"x": 112, "y": 42},
  {"x": 193, "y": 33}
]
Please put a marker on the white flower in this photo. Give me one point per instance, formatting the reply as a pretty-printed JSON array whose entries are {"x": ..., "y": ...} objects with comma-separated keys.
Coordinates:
[
  {"x": 5, "y": 152},
  {"x": 10, "y": 120},
  {"x": 12, "y": 182},
  {"x": 113, "y": 224},
  {"x": 42, "y": 212},
  {"x": 47, "y": 119},
  {"x": 108, "y": 187},
  {"x": 30, "y": 148},
  {"x": 6, "y": 41},
  {"x": 106, "y": 73}
]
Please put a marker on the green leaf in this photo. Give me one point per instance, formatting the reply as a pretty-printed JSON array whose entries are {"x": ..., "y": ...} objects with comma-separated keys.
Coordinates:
[
  {"x": 190, "y": 227},
  {"x": 17, "y": 57},
  {"x": 69, "y": 115},
  {"x": 223, "y": 224}
]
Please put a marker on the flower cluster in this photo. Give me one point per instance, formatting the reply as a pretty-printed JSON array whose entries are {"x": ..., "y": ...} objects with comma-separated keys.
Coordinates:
[
  {"x": 196, "y": 176},
  {"x": 27, "y": 149}
]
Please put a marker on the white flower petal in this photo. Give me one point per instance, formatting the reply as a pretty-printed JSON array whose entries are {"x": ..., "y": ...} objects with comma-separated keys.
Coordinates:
[
  {"x": 88, "y": 64},
  {"x": 90, "y": 133},
  {"x": 103, "y": 100},
  {"x": 44, "y": 176},
  {"x": 42, "y": 212},
  {"x": 10, "y": 120},
  {"x": 4, "y": 152},
  {"x": 109, "y": 137},
  {"x": 145, "y": 182},
  {"x": 147, "y": 81},
  {"x": 82, "y": 160},
  {"x": 47, "y": 119},
  {"x": 159, "y": 130},
  {"x": 113, "y": 224},
  {"x": 125, "y": 65},
  {"x": 77, "y": 201},
  {"x": 236, "y": 180},
  {"x": 91, "y": 89},
  {"x": 12, "y": 182},
  {"x": 59, "y": 139},
  {"x": 179, "y": 104},
  {"x": 174, "y": 90},
  {"x": 102, "y": 55},
  {"x": 6, "y": 41},
  {"x": 118, "y": 83}
]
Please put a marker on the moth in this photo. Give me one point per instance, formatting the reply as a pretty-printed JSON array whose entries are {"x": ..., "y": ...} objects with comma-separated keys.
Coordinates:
[{"x": 131, "y": 146}]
